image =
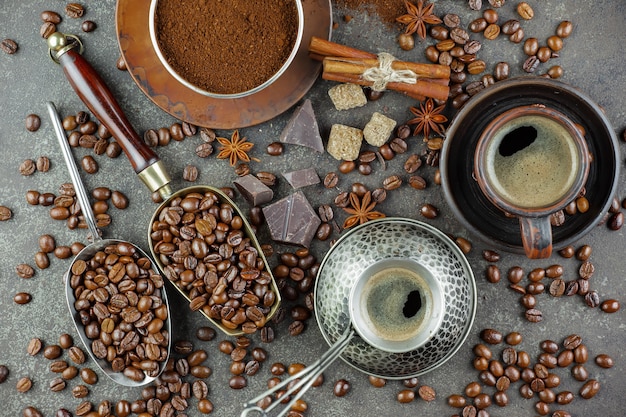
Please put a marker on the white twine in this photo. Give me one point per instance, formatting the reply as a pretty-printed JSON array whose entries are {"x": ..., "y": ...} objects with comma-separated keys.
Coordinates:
[{"x": 383, "y": 73}]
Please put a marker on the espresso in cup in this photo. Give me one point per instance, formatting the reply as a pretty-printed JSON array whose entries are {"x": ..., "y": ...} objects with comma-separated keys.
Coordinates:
[
  {"x": 397, "y": 305},
  {"x": 397, "y": 300},
  {"x": 532, "y": 161}
]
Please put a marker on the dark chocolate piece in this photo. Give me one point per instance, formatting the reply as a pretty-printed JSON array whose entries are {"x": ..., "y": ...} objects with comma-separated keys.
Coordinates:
[
  {"x": 302, "y": 177},
  {"x": 253, "y": 190},
  {"x": 302, "y": 128},
  {"x": 292, "y": 220}
]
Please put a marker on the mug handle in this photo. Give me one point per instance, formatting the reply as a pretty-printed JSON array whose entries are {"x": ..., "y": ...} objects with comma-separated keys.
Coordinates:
[{"x": 536, "y": 236}]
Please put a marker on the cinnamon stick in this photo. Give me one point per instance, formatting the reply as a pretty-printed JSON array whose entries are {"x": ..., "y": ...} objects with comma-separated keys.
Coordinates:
[
  {"x": 359, "y": 65},
  {"x": 420, "y": 90},
  {"x": 324, "y": 47}
]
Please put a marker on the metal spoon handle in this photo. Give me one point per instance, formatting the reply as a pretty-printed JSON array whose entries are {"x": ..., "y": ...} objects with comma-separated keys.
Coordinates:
[
  {"x": 81, "y": 192},
  {"x": 305, "y": 379}
]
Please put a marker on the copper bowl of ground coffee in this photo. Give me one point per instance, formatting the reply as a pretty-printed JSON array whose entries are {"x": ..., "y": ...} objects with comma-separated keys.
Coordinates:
[{"x": 225, "y": 49}]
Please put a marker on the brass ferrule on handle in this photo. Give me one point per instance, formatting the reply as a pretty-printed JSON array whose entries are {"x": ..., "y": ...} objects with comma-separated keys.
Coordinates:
[{"x": 156, "y": 178}]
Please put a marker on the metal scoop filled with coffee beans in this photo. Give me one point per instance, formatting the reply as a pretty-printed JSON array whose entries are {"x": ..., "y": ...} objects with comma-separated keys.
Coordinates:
[
  {"x": 216, "y": 262},
  {"x": 116, "y": 297}
]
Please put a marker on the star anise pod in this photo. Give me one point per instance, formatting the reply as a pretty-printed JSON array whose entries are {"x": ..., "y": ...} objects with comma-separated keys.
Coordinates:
[
  {"x": 418, "y": 15},
  {"x": 235, "y": 149},
  {"x": 428, "y": 118},
  {"x": 361, "y": 210}
]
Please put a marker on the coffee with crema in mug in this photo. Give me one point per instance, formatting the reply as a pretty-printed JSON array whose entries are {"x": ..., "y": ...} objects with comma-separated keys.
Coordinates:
[{"x": 532, "y": 161}]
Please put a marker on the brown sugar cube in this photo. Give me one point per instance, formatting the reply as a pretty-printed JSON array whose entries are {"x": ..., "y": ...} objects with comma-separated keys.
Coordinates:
[
  {"x": 347, "y": 96},
  {"x": 344, "y": 142},
  {"x": 378, "y": 129}
]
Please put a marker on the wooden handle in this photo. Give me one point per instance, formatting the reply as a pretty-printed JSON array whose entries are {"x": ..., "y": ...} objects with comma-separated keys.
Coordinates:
[{"x": 94, "y": 92}]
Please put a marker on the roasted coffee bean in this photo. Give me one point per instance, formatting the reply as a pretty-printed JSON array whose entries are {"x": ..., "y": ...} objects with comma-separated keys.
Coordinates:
[
  {"x": 604, "y": 361},
  {"x": 583, "y": 286},
  {"x": 88, "y": 26},
  {"x": 31, "y": 411},
  {"x": 493, "y": 274},
  {"x": 5, "y": 213},
  {"x": 584, "y": 253},
  {"x": 476, "y": 67},
  {"x": 74, "y": 10},
  {"x": 57, "y": 384},
  {"x": 190, "y": 173},
  {"x": 478, "y": 25},
  {"x": 341, "y": 388},
  {"x": 610, "y": 306},
  {"x": 513, "y": 338},
  {"x": 89, "y": 164},
  {"x": 27, "y": 167},
  {"x": 564, "y": 29},
  {"x": 472, "y": 389},
  {"x": 398, "y": 145},
  {"x": 9, "y": 46},
  {"x": 533, "y": 315},
  {"x": 331, "y": 180},
  {"x": 47, "y": 29},
  {"x": 204, "y": 150},
  {"x": 391, "y": 183},
  {"x": 439, "y": 32},
  {"x": 491, "y": 336},
  {"x": 557, "y": 287},
  {"x": 22, "y": 298},
  {"x": 429, "y": 211},
  {"x": 589, "y": 389},
  {"x": 266, "y": 178},
  {"x": 528, "y": 301},
  {"x": 586, "y": 270},
  {"x": 347, "y": 166},
  {"x": 459, "y": 35},
  {"x": 24, "y": 384},
  {"x": 491, "y": 32},
  {"x": 491, "y": 256},
  {"x": 275, "y": 149},
  {"x": 426, "y": 393},
  {"x": 205, "y": 333},
  {"x": 34, "y": 346},
  {"x": 417, "y": 182},
  {"x": 616, "y": 221},
  {"x": 456, "y": 401},
  {"x": 237, "y": 382},
  {"x": 515, "y": 275},
  {"x": 531, "y": 64},
  {"x": 592, "y": 299}
]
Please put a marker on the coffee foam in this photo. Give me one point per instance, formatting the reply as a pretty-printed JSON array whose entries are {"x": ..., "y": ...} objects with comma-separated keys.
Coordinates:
[
  {"x": 385, "y": 295},
  {"x": 539, "y": 174}
]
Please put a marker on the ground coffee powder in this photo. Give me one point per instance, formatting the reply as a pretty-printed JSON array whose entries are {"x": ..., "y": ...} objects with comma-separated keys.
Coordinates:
[{"x": 226, "y": 46}]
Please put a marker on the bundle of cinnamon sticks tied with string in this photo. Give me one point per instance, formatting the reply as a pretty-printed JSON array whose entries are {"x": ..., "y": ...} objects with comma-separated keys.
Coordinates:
[{"x": 380, "y": 71}]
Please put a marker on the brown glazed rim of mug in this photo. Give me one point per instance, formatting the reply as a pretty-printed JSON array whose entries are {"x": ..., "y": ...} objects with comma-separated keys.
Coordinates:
[{"x": 512, "y": 114}]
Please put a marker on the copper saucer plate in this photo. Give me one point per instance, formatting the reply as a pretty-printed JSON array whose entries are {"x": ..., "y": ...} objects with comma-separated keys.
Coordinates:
[{"x": 142, "y": 61}]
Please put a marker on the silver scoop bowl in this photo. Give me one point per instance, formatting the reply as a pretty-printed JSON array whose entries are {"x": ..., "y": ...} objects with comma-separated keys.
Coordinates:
[{"x": 133, "y": 376}]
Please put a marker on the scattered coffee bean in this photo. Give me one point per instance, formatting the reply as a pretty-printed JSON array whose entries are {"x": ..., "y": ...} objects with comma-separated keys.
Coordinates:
[
  {"x": 24, "y": 384},
  {"x": 341, "y": 388},
  {"x": 74, "y": 10},
  {"x": 405, "y": 396},
  {"x": 275, "y": 149},
  {"x": 493, "y": 274},
  {"x": 491, "y": 336},
  {"x": 9, "y": 46},
  {"x": 4, "y": 373},
  {"x": 22, "y": 298}
]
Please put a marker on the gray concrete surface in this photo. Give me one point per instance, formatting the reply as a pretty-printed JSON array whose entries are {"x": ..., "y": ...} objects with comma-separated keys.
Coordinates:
[{"x": 592, "y": 59}]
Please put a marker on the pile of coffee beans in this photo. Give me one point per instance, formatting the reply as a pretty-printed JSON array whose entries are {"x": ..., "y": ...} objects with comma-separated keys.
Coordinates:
[
  {"x": 172, "y": 393},
  {"x": 295, "y": 277},
  {"x": 119, "y": 301},
  {"x": 531, "y": 284},
  {"x": 203, "y": 247},
  {"x": 65, "y": 205},
  {"x": 537, "y": 379},
  {"x": 411, "y": 389}
]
